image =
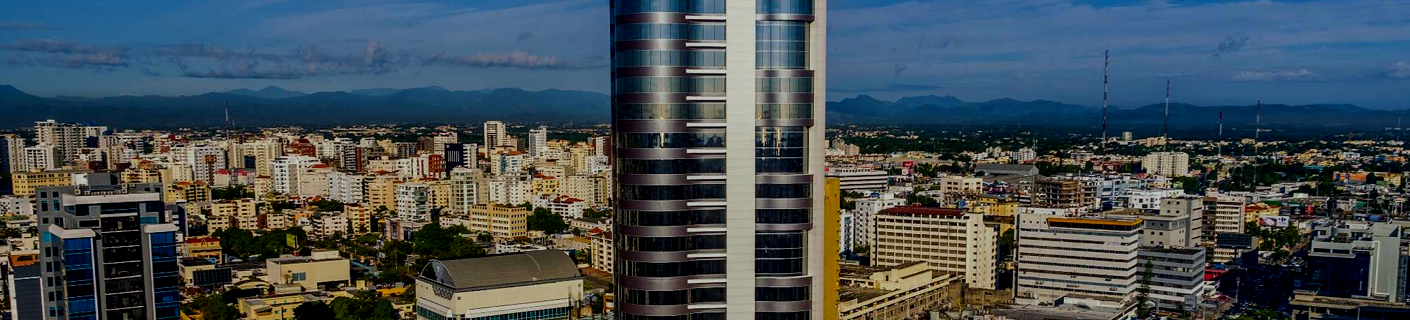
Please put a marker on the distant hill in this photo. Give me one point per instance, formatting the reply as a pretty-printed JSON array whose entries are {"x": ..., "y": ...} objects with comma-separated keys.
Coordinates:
[
  {"x": 277, "y": 106},
  {"x": 948, "y": 110}
]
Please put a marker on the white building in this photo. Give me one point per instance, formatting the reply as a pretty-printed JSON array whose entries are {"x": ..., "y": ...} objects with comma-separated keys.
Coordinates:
[
  {"x": 565, "y": 206},
  {"x": 538, "y": 142},
  {"x": 496, "y": 134},
  {"x": 346, "y": 187},
  {"x": 1169, "y": 164},
  {"x": 949, "y": 240},
  {"x": 859, "y": 179},
  {"x": 1069, "y": 259},
  {"x": 531, "y": 285},
  {"x": 330, "y": 224},
  {"x": 12, "y": 153},
  {"x": 286, "y": 171},
  {"x": 65, "y": 138},
  {"x": 413, "y": 202},
  {"x": 41, "y": 157},
  {"x": 203, "y": 160},
  {"x": 464, "y": 191}
]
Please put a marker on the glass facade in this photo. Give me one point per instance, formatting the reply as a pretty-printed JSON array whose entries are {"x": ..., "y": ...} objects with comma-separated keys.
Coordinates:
[{"x": 678, "y": 179}]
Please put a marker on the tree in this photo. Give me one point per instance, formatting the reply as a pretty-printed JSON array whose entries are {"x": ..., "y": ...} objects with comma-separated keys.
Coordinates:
[
  {"x": 1143, "y": 295},
  {"x": 1006, "y": 243},
  {"x": 444, "y": 243},
  {"x": 231, "y": 193},
  {"x": 211, "y": 307},
  {"x": 328, "y": 205},
  {"x": 316, "y": 310},
  {"x": 364, "y": 305},
  {"x": 547, "y": 221},
  {"x": 10, "y": 233}
]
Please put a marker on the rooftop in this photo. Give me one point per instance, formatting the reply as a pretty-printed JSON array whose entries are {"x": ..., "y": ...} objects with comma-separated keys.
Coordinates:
[
  {"x": 924, "y": 211},
  {"x": 502, "y": 270}
]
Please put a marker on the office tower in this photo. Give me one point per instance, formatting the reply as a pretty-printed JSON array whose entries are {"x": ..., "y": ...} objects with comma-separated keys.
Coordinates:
[
  {"x": 1078, "y": 260},
  {"x": 496, "y": 135},
  {"x": 1363, "y": 260},
  {"x": 1168, "y": 164},
  {"x": 66, "y": 138},
  {"x": 21, "y": 274},
  {"x": 112, "y": 252},
  {"x": 949, "y": 240},
  {"x": 41, "y": 157},
  {"x": 538, "y": 142},
  {"x": 718, "y": 126},
  {"x": 11, "y": 153},
  {"x": 1225, "y": 220}
]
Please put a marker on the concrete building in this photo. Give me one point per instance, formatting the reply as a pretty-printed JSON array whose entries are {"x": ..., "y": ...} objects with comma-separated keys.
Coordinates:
[
  {"x": 414, "y": 202},
  {"x": 1168, "y": 164},
  {"x": 948, "y": 240},
  {"x": 860, "y": 179},
  {"x": 1177, "y": 276},
  {"x": 538, "y": 142},
  {"x": 286, "y": 171},
  {"x": 768, "y": 128},
  {"x": 114, "y": 249},
  {"x": 602, "y": 253},
  {"x": 12, "y": 153},
  {"x": 1066, "y": 259},
  {"x": 41, "y": 158},
  {"x": 25, "y": 183},
  {"x": 906, "y": 291},
  {"x": 322, "y": 269},
  {"x": 542, "y": 285},
  {"x": 329, "y": 224},
  {"x": 496, "y": 134},
  {"x": 243, "y": 212},
  {"x": 278, "y": 306},
  {"x": 961, "y": 185},
  {"x": 1224, "y": 216},
  {"x": 1064, "y": 193},
  {"x": 1360, "y": 260},
  {"x": 66, "y": 139},
  {"x": 463, "y": 189},
  {"x": 359, "y": 217},
  {"x": 864, "y": 218},
  {"x": 503, "y": 222}
]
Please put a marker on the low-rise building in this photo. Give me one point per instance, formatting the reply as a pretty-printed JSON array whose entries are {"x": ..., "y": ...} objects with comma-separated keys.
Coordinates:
[
  {"x": 602, "y": 252},
  {"x": 542, "y": 285},
  {"x": 322, "y": 269},
  {"x": 907, "y": 291},
  {"x": 503, "y": 222},
  {"x": 948, "y": 240},
  {"x": 279, "y": 306}
]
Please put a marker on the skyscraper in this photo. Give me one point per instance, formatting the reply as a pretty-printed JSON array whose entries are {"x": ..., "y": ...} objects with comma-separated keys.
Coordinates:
[
  {"x": 495, "y": 135},
  {"x": 66, "y": 138},
  {"x": 112, "y": 252},
  {"x": 718, "y": 129},
  {"x": 538, "y": 142}
]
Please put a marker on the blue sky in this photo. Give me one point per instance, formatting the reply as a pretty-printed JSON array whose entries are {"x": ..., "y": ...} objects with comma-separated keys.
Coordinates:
[{"x": 1215, "y": 52}]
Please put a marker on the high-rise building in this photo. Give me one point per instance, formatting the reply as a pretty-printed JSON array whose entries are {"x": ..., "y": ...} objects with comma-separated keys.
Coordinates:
[
  {"x": 414, "y": 202},
  {"x": 41, "y": 157},
  {"x": 110, "y": 253},
  {"x": 718, "y": 126},
  {"x": 1357, "y": 260},
  {"x": 949, "y": 240},
  {"x": 66, "y": 138},
  {"x": 286, "y": 171},
  {"x": 538, "y": 142},
  {"x": 1168, "y": 164},
  {"x": 11, "y": 153},
  {"x": 203, "y": 160},
  {"x": 496, "y": 135}
]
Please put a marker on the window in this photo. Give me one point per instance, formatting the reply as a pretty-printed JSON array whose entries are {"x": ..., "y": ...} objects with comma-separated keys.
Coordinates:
[
  {"x": 684, "y": 6},
  {"x": 697, "y": 85},
  {"x": 785, "y": 7},
  {"x": 298, "y": 276},
  {"x": 783, "y": 191},
  {"x": 672, "y": 140},
  {"x": 781, "y": 294},
  {"x": 701, "y": 111}
]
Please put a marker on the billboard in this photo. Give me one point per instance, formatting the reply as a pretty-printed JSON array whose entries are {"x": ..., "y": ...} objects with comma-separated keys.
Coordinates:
[{"x": 1273, "y": 221}]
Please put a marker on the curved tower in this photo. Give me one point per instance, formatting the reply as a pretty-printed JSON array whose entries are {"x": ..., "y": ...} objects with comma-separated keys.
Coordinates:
[{"x": 718, "y": 126}]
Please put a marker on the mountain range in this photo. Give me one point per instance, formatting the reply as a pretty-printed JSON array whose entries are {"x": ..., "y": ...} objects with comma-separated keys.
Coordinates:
[{"x": 277, "y": 106}]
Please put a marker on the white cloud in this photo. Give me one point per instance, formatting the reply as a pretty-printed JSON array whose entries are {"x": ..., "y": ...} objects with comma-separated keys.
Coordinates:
[
  {"x": 1401, "y": 70},
  {"x": 1280, "y": 75}
]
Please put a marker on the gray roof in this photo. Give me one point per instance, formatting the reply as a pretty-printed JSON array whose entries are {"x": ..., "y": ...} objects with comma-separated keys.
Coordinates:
[
  {"x": 995, "y": 168},
  {"x": 502, "y": 270}
]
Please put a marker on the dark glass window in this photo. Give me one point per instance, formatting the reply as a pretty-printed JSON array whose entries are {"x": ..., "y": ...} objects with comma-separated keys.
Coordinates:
[
  {"x": 707, "y": 59},
  {"x": 670, "y": 140},
  {"x": 781, "y": 294},
  {"x": 697, "y": 85},
  {"x": 783, "y": 191},
  {"x": 655, "y": 298},
  {"x": 707, "y": 217},
  {"x": 708, "y": 242},
  {"x": 782, "y": 216},
  {"x": 797, "y": 315},
  {"x": 779, "y": 253},
  {"x": 707, "y": 267},
  {"x": 673, "y": 192},
  {"x": 697, "y": 111},
  {"x": 784, "y": 85},
  {"x": 784, "y": 6},
  {"x": 682, "y": 6},
  {"x": 701, "y": 295},
  {"x": 784, "y": 111},
  {"x": 672, "y": 166},
  {"x": 781, "y": 45},
  {"x": 669, "y": 31}
]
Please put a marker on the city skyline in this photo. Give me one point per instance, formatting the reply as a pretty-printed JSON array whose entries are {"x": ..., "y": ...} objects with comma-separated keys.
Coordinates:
[{"x": 1216, "y": 52}]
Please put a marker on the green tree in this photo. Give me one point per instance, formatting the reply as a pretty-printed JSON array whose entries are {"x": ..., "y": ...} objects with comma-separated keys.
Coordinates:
[
  {"x": 328, "y": 205},
  {"x": 316, "y": 310},
  {"x": 1006, "y": 243},
  {"x": 445, "y": 243},
  {"x": 364, "y": 305},
  {"x": 231, "y": 193},
  {"x": 547, "y": 221},
  {"x": 211, "y": 307},
  {"x": 10, "y": 233}
]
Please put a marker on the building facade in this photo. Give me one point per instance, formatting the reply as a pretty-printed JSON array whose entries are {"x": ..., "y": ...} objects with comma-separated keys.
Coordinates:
[
  {"x": 719, "y": 136},
  {"x": 948, "y": 240},
  {"x": 113, "y": 253}
]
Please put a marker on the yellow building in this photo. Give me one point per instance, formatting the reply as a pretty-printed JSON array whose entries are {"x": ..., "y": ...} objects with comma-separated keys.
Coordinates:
[
  {"x": 440, "y": 193},
  {"x": 25, "y": 183},
  {"x": 202, "y": 247},
  {"x": 189, "y": 191},
  {"x": 832, "y": 228},
  {"x": 382, "y": 190},
  {"x": 144, "y": 172},
  {"x": 264, "y": 186},
  {"x": 278, "y": 307},
  {"x": 545, "y": 185},
  {"x": 359, "y": 217},
  {"x": 1258, "y": 210},
  {"x": 503, "y": 222},
  {"x": 317, "y": 270}
]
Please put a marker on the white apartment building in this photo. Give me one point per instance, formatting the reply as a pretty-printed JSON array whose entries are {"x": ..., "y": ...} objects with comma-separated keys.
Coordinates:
[
  {"x": 286, "y": 171},
  {"x": 961, "y": 185},
  {"x": 463, "y": 189},
  {"x": 1146, "y": 199},
  {"x": 864, "y": 217},
  {"x": 565, "y": 206},
  {"x": 65, "y": 138},
  {"x": 346, "y": 187},
  {"x": 1225, "y": 215},
  {"x": 496, "y": 134},
  {"x": 13, "y": 153},
  {"x": 41, "y": 157},
  {"x": 538, "y": 142},
  {"x": 859, "y": 178},
  {"x": 203, "y": 160},
  {"x": 949, "y": 240},
  {"x": 1169, "y": 164},
  {"x": 1070, "y": 259},
  {"x": 413, "y": 202},
  {"x": 330, "y": 224}
]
